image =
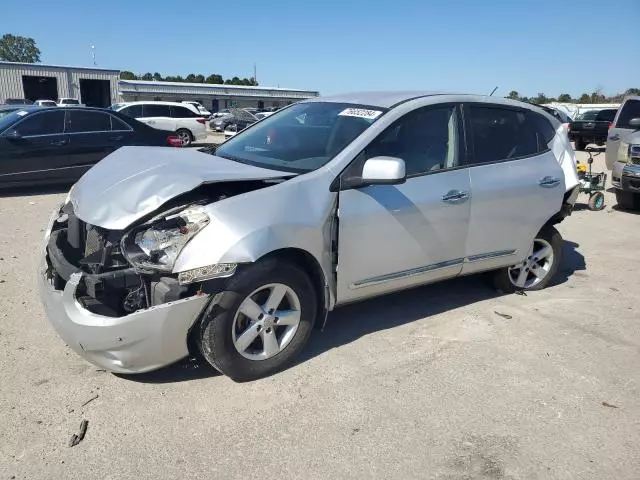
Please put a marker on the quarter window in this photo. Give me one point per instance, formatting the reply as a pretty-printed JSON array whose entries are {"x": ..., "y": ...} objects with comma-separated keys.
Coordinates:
[
  {"x": 502, "y": 134},
  {"x": 84, "y": 121},
  {"x": 45, "y": 123},
  {"x": 182, "y": 112},
  {"x": 630, "y": 110},
  {"x": 117, "y": 124},
  {"x": 426, "y": 139}
]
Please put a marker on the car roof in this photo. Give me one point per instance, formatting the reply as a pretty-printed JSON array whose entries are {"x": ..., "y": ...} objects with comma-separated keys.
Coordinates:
[
  {"x": 389, "y": 99},
  {"x": 158, "y": 102}
]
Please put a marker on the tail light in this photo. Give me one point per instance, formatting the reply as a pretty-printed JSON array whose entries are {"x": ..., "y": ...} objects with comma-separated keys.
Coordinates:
[
  {"x": 569, "y": 126},
  {"x": 201, "y": 120},
  {"x": 610, "y": 124},
  {"x": 174, "y": 141}
]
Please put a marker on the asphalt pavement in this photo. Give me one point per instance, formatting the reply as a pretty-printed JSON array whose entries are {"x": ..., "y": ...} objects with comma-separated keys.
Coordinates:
[{"x": 450, "y": 381}]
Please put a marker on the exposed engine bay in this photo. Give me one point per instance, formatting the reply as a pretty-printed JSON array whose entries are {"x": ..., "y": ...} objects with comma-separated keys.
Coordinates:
[{"x": 122, "y": 272}]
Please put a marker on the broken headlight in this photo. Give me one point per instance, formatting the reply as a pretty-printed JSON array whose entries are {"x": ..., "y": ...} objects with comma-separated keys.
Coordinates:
[{"x": 157, "y": 246}]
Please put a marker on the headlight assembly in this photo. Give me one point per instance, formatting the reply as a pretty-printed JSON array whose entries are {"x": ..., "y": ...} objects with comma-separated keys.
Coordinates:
[{"x": 157, "y": 246}]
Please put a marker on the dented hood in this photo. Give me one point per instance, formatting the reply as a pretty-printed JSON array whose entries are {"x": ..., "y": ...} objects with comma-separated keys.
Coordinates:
[{"x": 135, "y": 181}]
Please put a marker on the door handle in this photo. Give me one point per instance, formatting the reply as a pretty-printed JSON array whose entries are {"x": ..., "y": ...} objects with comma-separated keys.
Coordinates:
[
  {"x": 614, "y": 137},
  {"x": 58, "y": 142},
  {"x": 549, "y": 182},
  {"x": 455, "y": 196}
]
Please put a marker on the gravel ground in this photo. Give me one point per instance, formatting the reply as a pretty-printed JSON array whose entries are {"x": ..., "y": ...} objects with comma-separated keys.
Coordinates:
[{"x": 451, "y": 381}]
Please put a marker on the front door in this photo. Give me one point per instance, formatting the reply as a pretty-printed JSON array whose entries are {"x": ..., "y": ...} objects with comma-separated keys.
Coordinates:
[
  {"x": 621, "y": 128},
  {"x": 34, "y": 149},
  {"x": 517, "y": 183},
  {"x": 395, "y": 236}
]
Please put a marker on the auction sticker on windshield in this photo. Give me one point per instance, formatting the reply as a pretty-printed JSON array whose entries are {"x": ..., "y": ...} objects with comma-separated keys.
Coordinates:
[{"x": 360, "y": 112}]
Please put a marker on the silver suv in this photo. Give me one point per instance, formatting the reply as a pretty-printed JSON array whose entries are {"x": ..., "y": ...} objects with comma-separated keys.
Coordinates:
[
  {"x": 242, "y": 251},
  {"x": 623, "y": 153}
]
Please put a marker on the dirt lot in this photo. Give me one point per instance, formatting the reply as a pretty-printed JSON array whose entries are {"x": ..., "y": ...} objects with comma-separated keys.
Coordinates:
[{"x": 451, "y": 381}]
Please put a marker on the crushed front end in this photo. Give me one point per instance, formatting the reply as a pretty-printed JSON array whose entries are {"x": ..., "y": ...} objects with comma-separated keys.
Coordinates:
[{"x": 116, "y": 315}]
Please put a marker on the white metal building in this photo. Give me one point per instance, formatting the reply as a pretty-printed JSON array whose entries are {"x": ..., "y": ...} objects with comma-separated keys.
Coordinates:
[
  {"x": 214, "y": 97},
  {"x": 95, "y": 87}
]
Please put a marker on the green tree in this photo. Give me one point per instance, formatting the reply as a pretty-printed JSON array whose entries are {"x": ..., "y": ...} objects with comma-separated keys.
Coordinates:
[
  {"x": 127, "y": 75},
  {"x": 14, "y": 48},
  {"x": 540, "y": 99},
  {"x": 157, "y": 77},
  {"x": 214, "y": 78},
  {"x": 584, "y": 98},
  {"x": 564, "y": 98},
  {"x": 147, "y": 76},
  {"x": 191, "y": 78},
  {"x": 513, "y": 95},
  {"x": 199, "y": 78}
]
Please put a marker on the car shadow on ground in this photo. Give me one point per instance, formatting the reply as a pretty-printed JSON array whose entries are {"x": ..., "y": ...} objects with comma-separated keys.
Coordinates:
[
  {"x": 618, "y": 208},
  {"x": 35, "y": 191},
  {"x": 349, "y": 323}
]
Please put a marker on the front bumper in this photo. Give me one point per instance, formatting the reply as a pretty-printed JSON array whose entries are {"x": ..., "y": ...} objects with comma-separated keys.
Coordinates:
[
  {"x": 142, "y": 341},
  {"x": 630, "y": 178}
]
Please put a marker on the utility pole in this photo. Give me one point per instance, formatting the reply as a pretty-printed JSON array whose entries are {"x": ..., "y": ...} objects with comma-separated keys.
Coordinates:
[
  {"x": 255, "y": 74},
  {"x": 93, "y": 54}
]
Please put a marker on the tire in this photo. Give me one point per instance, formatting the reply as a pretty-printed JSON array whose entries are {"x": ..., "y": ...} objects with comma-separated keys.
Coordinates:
[
  {"x": 627, "y": 200},
  {"x": 596, "y": 201},
  {"x": 506, "y": 279},
  {"x": 185, "y": 135},
  {"x": 580, "y": 145},
  {"x": 223, "y": 324}
]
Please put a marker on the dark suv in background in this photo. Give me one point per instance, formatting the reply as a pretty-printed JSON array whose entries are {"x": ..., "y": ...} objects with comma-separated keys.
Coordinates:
[{"x": 591, "y": 126}]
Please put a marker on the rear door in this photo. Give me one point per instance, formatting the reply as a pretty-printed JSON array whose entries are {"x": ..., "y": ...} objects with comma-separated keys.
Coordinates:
[
  {"x": 621, "y": 128},
  {"x": 35, "y": 148},
  {"x": 517, "y": 183},
  {"x": 91, "y": 136},
  {"x": 158, "y": 116}
]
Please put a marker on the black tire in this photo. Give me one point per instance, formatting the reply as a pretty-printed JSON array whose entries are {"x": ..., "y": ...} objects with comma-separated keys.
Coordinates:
[
  {"x": 627, "y": 200},
  {"x": 580, "y": 145},
  {"x": 596, "y": 201},
  {"x": 186, "y": 136},
  {"x": 501, "y": 278},
  {"x": 215, "y": 338}
]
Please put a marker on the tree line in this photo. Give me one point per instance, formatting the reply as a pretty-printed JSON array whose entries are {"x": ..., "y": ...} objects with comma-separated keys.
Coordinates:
[
  {"x": 594, "y": 97},
  {"x": 191, "y": 78}
]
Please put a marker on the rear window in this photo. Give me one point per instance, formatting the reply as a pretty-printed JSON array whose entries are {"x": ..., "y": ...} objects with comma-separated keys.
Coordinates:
[
  {"x": 630, "y": 110},
  {"x": 606, "y": 115},
  {"x": 70, "y": 101}
]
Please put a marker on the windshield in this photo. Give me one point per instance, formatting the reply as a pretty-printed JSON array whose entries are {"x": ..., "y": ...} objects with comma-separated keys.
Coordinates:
[
  {"x": 300, "y": 138},
  {"x": 69, "y": 101}
]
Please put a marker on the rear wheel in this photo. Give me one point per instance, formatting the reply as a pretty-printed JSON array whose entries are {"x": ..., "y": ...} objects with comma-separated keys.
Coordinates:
[
  {"x": 539, "y": 266},
  {"x": 261, "y": 322},
  {"x": 627, "y": 200},
  {"x": 596, "y": 201},
  {"x": 185, "y": 136}
]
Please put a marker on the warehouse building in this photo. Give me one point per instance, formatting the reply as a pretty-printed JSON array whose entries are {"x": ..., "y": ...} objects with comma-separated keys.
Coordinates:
[
  {"x": 214, "y": 97},
  {"x": 95, "y": 87}
]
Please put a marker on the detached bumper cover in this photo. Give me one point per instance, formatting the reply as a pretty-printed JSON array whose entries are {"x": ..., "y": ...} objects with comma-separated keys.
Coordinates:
[{"x": 140, "y": 342}]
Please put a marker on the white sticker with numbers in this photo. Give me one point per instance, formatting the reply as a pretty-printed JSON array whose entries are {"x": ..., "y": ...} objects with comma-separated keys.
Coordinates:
[
  {"x": 360, "y": 112},
  {"x": 22, "y": 113}
]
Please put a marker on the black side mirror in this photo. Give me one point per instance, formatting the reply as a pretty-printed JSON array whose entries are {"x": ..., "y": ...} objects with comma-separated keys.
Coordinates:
[{"x": 635, "y": 122}]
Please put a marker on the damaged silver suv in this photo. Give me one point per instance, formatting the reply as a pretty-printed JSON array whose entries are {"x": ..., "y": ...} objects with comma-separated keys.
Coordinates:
[{"x": 240, "y": 252}]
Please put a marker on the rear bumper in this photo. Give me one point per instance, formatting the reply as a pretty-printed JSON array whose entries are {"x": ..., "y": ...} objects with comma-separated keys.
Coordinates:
[{"x": 142, "y": 341}]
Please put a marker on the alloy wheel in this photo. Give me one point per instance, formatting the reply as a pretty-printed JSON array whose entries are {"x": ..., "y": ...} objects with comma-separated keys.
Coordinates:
[{"x": 536, "y": 266}]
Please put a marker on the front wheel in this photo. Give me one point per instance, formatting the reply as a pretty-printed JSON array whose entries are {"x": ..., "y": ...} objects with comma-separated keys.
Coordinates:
[
  {"x": 539, "y": 266},
  {"x": 261, "y": 322}
]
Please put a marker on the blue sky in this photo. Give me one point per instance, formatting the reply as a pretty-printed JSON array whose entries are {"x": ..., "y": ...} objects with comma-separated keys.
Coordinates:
[{"x": 346, "y": 45}]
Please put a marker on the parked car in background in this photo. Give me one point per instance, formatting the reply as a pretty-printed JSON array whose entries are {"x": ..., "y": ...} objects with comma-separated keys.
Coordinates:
[
  {"x": 591, "y": 126},
  {"x": 243, "y": 253},
  {"x": 237, "y": 116},
  {"x": 46, "y": 145},
  {"x": 220, "y": 113},
  {"x": 182, "y": 118},
  {"x": 203, "y": 111},
  {"x": 45, "y": 103},
  {"x": 623, "y": 153},
  {"x": 18, "y": 101},
  {"x": 261, "y": 115},
  {"x": 68, "y": 102}
]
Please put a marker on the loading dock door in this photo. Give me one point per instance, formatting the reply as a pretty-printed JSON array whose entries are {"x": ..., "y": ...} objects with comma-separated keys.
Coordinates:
[
  {"x": 40, "y": 88},
  {"x": 95, "y": 93}
]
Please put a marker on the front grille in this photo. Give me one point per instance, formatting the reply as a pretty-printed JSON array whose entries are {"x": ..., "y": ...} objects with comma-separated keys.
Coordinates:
[{"x": 635, "y": 160}]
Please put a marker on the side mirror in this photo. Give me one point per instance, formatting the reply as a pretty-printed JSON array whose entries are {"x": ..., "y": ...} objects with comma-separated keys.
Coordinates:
[
  {"x": 12, "y": 135},
  {"x": 635, "y": 122},
  {"x": 384, "y": 171}
]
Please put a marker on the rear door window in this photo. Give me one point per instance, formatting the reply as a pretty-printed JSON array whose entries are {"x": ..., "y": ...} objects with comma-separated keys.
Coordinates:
[
  {"x": 151, "y": 110},
  {"x": 630, "y": 110},
  {"x": 499, "y": 134},
  {"x": 85, "y": 121},
  {"x": 43, "y": 123}
]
